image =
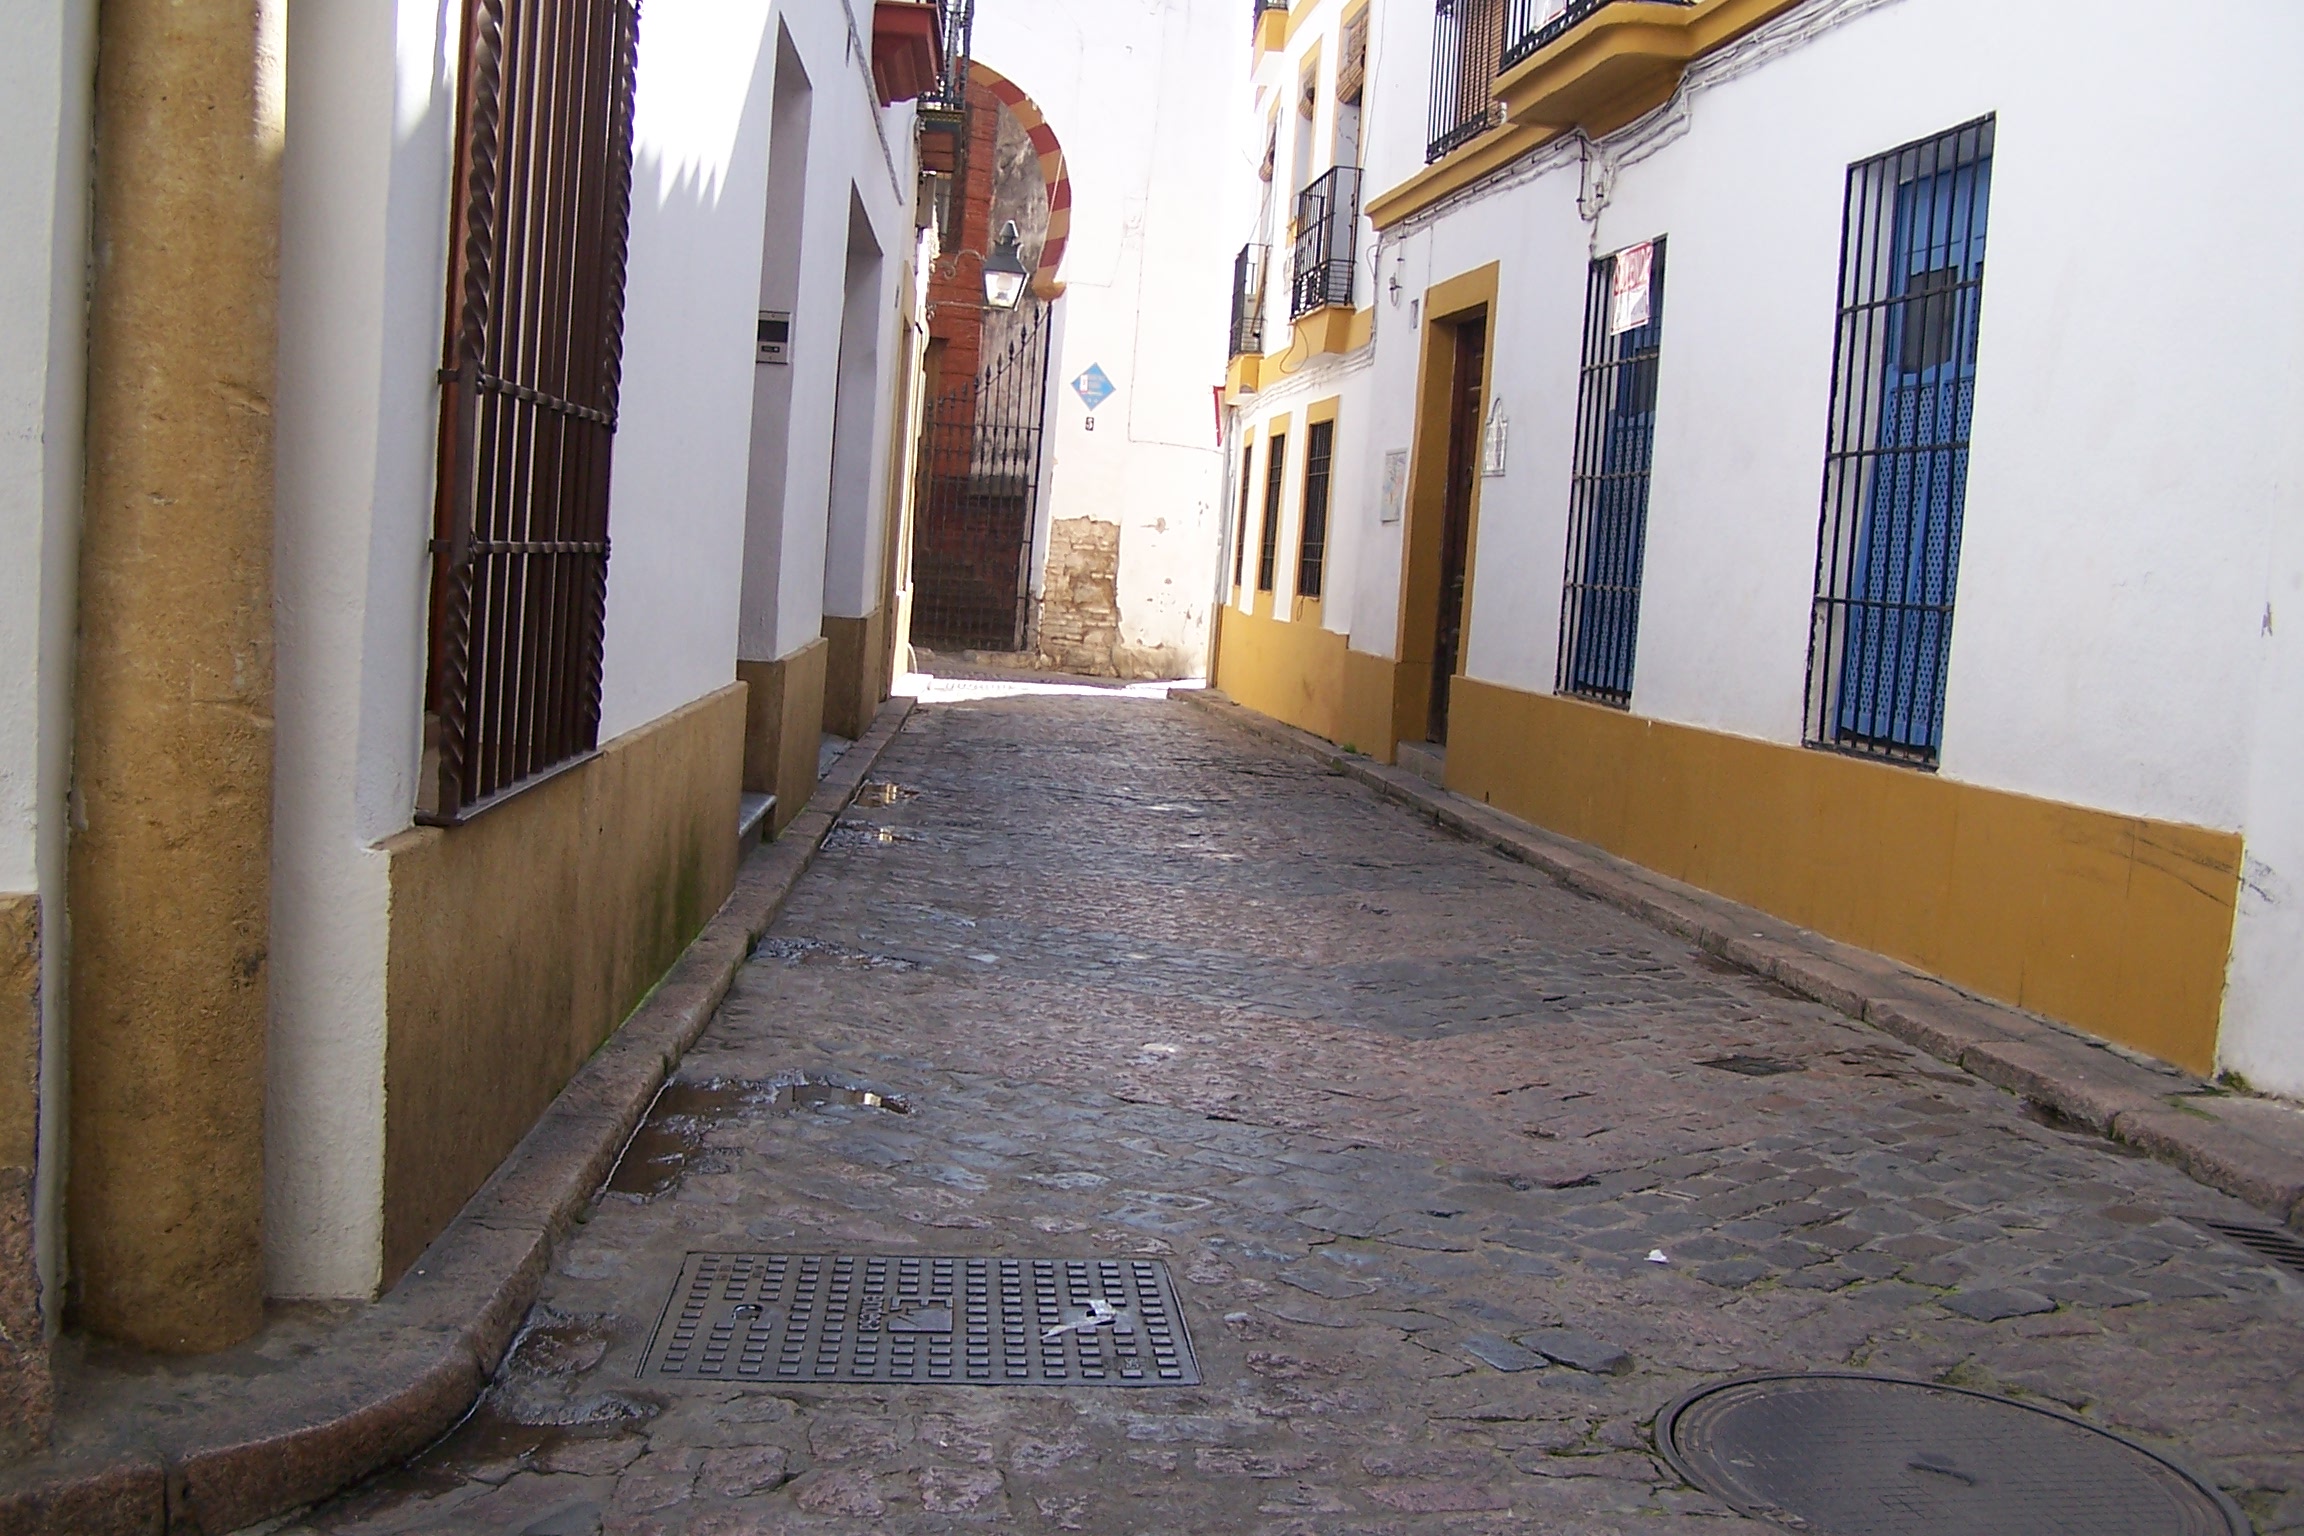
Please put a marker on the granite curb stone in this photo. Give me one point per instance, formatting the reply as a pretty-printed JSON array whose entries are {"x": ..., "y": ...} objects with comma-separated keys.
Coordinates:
[
  {"x": 2146, "y": 1104},
  {"x": 405, "y": 1369}
]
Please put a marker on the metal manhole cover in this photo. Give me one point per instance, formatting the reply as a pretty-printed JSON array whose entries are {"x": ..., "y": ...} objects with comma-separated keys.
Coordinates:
[
  {"x": 1842, "y": 1454},
  {"x": 957, "y": 1321}
]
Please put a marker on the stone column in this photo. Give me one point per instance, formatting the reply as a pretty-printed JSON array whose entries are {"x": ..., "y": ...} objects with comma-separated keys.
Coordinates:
[{"x": 172, "y": 801}]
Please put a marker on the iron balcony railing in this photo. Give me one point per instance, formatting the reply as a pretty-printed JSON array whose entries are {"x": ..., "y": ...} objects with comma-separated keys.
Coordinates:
[
  {"x": 1248, "y": 302},
  {"x": 1327, "y": 221},
  {"x": 1261, "y": 6},
  {"x": 1467, "y": 53},
  {"x": 949, "y": 100},
  {"x": 1532, "y": 25}
]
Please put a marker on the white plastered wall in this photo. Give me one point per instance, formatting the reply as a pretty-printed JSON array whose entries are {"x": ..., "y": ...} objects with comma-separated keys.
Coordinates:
[
  {"x": 363, "y": 271},
  {"x": 364, "y": 238},
  {"x": 2132, "y": 470},
  {"x": 45, "y": 105},
  {"x": 858, "y": 157},
  {"x": 1140, "y": 98}
]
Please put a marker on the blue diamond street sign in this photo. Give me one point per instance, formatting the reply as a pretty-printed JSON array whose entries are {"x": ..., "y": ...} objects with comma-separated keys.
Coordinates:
[{"x": 1092, "y": 387}]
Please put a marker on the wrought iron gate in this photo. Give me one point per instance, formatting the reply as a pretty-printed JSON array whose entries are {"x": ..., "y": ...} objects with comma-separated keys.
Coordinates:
[{"x": 979, "y": 500}]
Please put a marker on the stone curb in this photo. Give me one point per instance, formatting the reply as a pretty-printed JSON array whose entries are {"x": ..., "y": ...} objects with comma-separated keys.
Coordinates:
[
  {"x": 2147, "y": 1104},
  {"x": 405, "y": 1370}
]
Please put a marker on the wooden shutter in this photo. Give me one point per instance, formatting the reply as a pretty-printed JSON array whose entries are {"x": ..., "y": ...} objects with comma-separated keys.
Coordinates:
[
  {"x": 529, "y": 382},
  {"x": 1352, "y": 58}
]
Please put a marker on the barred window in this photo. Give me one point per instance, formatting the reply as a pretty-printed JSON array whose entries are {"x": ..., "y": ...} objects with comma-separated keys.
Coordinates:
[
  {"x": 1896, "y": 459},
  {"x": 1240, "y": 528},
  {"x": 1312, "y": 540},
  {"x": 528, "y": 396},
  {"x": 1608, "y": 492},
  {"x": 1268, "y": 537}
]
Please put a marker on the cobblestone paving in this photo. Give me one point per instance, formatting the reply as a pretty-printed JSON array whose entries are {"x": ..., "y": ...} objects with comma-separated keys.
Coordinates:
[{"x": 1410, "y": 1124}]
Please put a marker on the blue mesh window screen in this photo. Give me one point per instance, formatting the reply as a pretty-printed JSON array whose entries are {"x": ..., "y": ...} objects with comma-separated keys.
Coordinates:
[
  {"x": 1312, "y": 542},
  {"x": 1608, "y": 491},
  {"x": 1896, "y": 460},
  {"x": 1268, "y": 537}
]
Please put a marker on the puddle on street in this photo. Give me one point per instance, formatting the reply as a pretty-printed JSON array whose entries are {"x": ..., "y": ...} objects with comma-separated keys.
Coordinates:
[
  {"x": 881, "y": 792},
  {"x": 1752, "y": 1066},
  {"x": 672, "y": 1136},
  {"x": 805, "y": 951},
  {"x": 535, "y": 1416},
  {"x": 866, "y": 834},
  {"x": 2062, "y": 1124}
]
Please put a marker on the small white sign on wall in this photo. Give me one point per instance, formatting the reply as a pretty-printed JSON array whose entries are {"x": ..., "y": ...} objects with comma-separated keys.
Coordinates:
[
  {"x": 1628, "y": 288},
  {"x": 1395, "y": 486},
  {"x": 1492, "y": 441}
]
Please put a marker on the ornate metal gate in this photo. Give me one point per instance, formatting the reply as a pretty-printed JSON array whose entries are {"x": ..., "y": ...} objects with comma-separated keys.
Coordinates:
[{"x": 979, "y": 499}]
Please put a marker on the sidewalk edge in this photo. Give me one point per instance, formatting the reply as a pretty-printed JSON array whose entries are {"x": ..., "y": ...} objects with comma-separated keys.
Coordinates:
[
  {"x": 407, "y": 1369},
  {"x": 2120, "y": 1095}
]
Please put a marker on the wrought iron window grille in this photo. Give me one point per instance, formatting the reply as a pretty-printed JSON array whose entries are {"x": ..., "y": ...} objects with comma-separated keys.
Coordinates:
[
  {"x": 528, "y": 396},
  {"x": 1327, "y": 231},
  {"x": 1896, "y": 448},
  {"x": 1268, "y": 536},
  {"x": 1467, "y": 55},
  {"x": 1312, "y": 540},
  {"x": 1240, "y": 527},
  {"x": 1534, "y": 25},
  {"x": 1247, "y": 337},
  {"x": 1608, "y": 490}
]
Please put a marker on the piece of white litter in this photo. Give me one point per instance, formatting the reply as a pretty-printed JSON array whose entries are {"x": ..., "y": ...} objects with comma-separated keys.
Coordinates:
[
  {"x": 1656, "y": 1256},
  {"x": 1236, "y": 1317},
  {"x": 985, "y": 959}
]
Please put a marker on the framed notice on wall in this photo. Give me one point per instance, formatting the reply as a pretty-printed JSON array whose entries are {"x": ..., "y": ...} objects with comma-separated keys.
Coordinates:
[{"x": 1395, "y": 486}]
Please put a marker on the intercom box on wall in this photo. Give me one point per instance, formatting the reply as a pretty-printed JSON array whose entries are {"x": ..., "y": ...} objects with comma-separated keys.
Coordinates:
[{"x": 775, "y": 336}]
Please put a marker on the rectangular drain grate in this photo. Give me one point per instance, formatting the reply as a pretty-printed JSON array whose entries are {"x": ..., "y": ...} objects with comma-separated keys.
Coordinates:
[
  {"x": 2273, "y": 1243},
  {"x": 958, "y": 1321}
]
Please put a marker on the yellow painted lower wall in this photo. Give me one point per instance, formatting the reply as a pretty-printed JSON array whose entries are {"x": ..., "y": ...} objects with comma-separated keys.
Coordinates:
[
  {"x": 2117, "y": 924},
  {"x": 855, "y": 679},
  {"x": 784, "y": 726},
  {"x": 27, "y": 1392},
  {"x": 520, "y": 940},
  {"x": 1308, "y": 676}
]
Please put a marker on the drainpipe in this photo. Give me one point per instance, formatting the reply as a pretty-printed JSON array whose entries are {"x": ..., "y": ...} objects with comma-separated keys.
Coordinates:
[{"x": 170, "y": 866}]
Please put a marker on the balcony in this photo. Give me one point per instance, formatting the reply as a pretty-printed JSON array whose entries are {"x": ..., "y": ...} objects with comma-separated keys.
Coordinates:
[
  {"x": 1598, "y": 64},
  {"x": 907, "y": 49},
  {"x": 1269, "y": 24},
  {"x": 1327, "y": 230},
  {"x": 1247, "y": 338},
  {"x": 1467, "y": 51}
]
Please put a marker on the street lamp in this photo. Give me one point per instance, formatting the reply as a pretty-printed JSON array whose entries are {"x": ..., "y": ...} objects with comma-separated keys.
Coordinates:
[{"x": 1004, "y": 272}]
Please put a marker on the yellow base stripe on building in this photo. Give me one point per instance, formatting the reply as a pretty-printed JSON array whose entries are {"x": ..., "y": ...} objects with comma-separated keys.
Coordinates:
[
  {"x": 1309, "y": 677},
  {"x": 2117, "y": 924}
]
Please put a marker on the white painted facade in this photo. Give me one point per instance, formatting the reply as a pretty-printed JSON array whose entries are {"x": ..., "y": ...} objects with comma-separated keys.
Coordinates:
[
  {"x": 364, "y": 249},
  {"x": 2131, "y": 581},
  {"x": 45, "y": 105},
  {"x": 1137, "y": 98}
]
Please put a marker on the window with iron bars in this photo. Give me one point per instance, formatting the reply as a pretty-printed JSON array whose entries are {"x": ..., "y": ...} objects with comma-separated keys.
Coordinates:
[
  {"x": 1312, "y": 538},
  {"x": 1608, "y": 491},
  {"x": 1268, "y": 536},
  {"x": 1327, "y": 229},
  {"x": 1467, "y": 52},
  {"x": 1240, "y": 530},
  {"x": 529, "y": 385},
  {"x": 1896, "y": 451}
]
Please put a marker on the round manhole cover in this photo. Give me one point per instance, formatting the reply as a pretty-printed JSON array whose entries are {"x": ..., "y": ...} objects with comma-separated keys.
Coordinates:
[{"x": 1849, "y": 1455}]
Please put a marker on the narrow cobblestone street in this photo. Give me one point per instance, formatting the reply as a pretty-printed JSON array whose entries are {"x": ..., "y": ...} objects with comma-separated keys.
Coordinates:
[{"x": 1460, "y": 1177}]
